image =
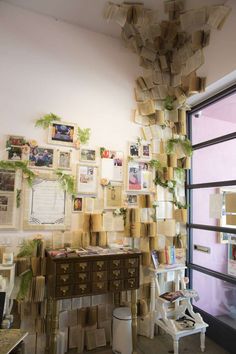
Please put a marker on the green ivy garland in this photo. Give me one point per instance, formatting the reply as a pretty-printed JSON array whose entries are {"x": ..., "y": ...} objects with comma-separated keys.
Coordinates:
[
  {"x": 46, "y": 120},
  {"x": 185, "y": 144},
  {"x": 18, "y": 197},
  {"x": 67, "y": 182},
  {"x": 168, "y": 103},
  {"x": 19, "y": 165},
  {"x": 84, "y": 135}
]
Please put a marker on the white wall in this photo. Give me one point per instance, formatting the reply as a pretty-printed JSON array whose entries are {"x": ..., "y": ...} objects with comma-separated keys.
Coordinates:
[{"x": 50, "y": 66}]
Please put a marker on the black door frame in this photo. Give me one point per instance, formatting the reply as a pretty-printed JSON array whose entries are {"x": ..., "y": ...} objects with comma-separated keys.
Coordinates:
[{"x": 220, "y": 332}]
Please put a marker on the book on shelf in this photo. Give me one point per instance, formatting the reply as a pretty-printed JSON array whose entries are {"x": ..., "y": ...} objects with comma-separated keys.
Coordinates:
[
  {"x": 184, "y": 323},
  {"x": 155, "y": 259},
  {"x": 172, "y": 296}
]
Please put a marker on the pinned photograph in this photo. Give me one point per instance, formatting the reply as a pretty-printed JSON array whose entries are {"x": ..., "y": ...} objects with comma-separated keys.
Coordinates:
[
  {"x": 87, "y": 155},
  {"x": 134, "y": 177},
  {"x": 64, "y": 160},
  {"x": 112, "y": 165},
  {"x": 134, "y": 150},
  {"x": 132, "y": 199},
  {"x": 86, "y": 179},
  {"x": 7, "y": 181},
  {"x": 41, "y": 157},
  {"x": 15, "y": 153},
  {"x": 62, "y": 133},
  {"x": 77, "y": 205},
  {"x": 146, "y": 151},
  {"x": 14, "y": 140}
]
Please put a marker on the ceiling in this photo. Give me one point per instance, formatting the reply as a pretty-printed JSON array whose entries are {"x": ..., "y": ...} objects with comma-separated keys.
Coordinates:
[{"x": 89, "y": 13}]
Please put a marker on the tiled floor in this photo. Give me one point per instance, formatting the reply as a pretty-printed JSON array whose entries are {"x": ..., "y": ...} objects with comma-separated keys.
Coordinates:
[{"x": 162, "y": 344}]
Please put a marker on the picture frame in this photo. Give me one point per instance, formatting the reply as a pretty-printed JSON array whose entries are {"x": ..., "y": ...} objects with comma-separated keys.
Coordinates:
[
  {"x": 77, "y": 204},
  {"x": 112, "y": 165},
  {"x": 16, "y": 140},
  {"x": 15, "y": 153},
  {"x": 132, "y": 200},
  {"x": 113, "y": 196},
  {"x": 139, "y": 177},
  {"x": 14, "y": 145},
  {"x": 64, "y": 159},
  {"x": 47, "y": 205},
  {"x": 62, "y": 133},
  {"x": 10, "y": 189},
  {"x": 224, "y": 222},
  {"x": 86, "y": 179},
  {"x": 41, "y": 157},
  {"x": 87, "y": 155},
  {"x": 145, "y": 151},
  {"x": 134, "y": 150}
]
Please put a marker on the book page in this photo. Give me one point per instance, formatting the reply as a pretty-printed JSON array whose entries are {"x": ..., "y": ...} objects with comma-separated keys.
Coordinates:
[
  {"x": 218, "y": 15},
  {"x": 193, "y": 20}
]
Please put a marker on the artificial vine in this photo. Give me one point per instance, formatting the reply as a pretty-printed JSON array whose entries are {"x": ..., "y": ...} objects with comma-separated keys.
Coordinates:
[
  {"x": 84, "y": 135},
  {"x": 185, "y": 144},
  {"x": 26, "y": 279},
  {"x": 169, "y": 103},
  {"x": 67, "y": 182},
  {"x": 19, "y": 165},
  {"x": 121, "y": 211},
  {"x": 46, "y": 120},
  {"x": 18, "y": 197}
]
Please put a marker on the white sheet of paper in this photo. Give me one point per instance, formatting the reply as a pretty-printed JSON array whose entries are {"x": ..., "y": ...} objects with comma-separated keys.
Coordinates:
[{"x": 215, "y": 205}]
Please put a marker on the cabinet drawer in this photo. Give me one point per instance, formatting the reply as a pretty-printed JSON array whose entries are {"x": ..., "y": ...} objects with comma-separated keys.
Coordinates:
[
  {"x": 63, "y": 291},
  {"x": 116, "y": 264},
  {"x": 63, "y": 268},
  {"x": 100, "y": 265},
  {"x": 116, "y": 285},
  {"x": 99, "y": 276},
  {"x": 116, "y": 274},
  {"x": 100, "y": 287},
  {"x": 82, "y": 277},
  {"x": 82, "y": 289},
  {"x": 82, "y": 266},
  {"x": 64, "y": 279},
  {"x": 131, "y": 272},
  {"x": 131, "y": 262},
  {"x": 131, "y": 283}
]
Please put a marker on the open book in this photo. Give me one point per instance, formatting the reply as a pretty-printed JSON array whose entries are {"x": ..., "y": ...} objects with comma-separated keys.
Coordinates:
[{"x": 172, "y": 296}]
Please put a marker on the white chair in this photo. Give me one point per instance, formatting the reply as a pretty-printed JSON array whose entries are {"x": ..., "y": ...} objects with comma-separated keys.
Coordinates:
[{"x": 165, "y": 313}]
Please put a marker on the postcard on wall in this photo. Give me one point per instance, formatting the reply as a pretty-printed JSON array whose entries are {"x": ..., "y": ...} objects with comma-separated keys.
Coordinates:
[
  {"x": 112, "y": 165},
  {"x": 41, "y": 157},
  {"x": 86, "y": 179},
  {"x": 132, "y": 200},
  {"x": 47, "y": 205},
  {"x": 113, "y": 196},
  {"x": 64, "y": 159},
  {"x": 77, "y": 204},
  {"x": 139, "y": 176},
  {"x": 134, "y": 150},
  {"x": 232, "y": 255},
  {"x": 62, "y": 133},
  {"x": 87, "y": 155}
]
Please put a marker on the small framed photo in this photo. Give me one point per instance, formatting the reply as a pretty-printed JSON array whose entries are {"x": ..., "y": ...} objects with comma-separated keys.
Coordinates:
[
  {"x": 77, "y": 204},
  {"x": 139, "y": 177},
  {"x": 145, "y": 151},
  {"x": 64, "y": 159},
  {"x": 41, "y": 157},
  {"x": 132, "y": 200},
  {"x": 62, "y": 133},
  {"x": 15, "y": 153},
  {"x": 15, "y": 140},
  {"x": 87, "y": 155},
  {"x": 134, "y": 150},
  {"x": 87, "y": 179},
  {"x": 113, "y": 196}
]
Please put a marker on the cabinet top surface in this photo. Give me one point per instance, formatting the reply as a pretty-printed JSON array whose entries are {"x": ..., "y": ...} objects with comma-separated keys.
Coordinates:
[{"x": 62, "y": 255}]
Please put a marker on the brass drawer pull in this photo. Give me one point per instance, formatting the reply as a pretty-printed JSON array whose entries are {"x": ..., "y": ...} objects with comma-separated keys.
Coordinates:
[
  {"x": 116, "y": 284},
  {"x": 116, "y": 262},
  {"x": 116, "y": 273},
  {"x": 64, "y": 291},
  {"x": 132, "y": 261},
  {"x": 100, "y": 285},
  {"x": 82, "y": 287},
  {"x": 83, "y": 266},
  {"x": 82, "y": 276},
  {"x": 64, "y": 278},
  {"x": 100, "y": 264},
  {"x": 131, "y": 271},
  {"x": 131, "y": 283},
  {"x": 100, "y": 275},
  {"x": 64, "y": 267}
]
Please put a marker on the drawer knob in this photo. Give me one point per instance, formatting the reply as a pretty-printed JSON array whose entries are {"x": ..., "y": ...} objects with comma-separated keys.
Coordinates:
[
  {"x": 65, "y": 267},
  {"x": 82, "y": 276},
  {"x": 100, "y": 264},
  {"x": 100, "y": 285},
  {"x": 99, "y": 275},
  {"x": 64, "y": 278},
  {"x": 82, "y": 287},
  {"x": 116, "y": 262},
  {"x": 117, "y": 284},
  {"x": 131, "y": 271},
  {"x": 131, "y": 283},
  {"x": 116, "y": 273},
  {"x": 83, "y": 266},
  {"x": 64, "y": 290},
  {"x": 132, "y": 261}
]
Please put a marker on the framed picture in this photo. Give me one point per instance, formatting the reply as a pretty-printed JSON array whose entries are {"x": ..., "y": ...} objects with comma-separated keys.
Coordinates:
[
  {"x": 132, "y": 200},
  {"x": 47, "y": 205},
  {"x": 228, "y": 211},
  {"x": 87, "y": 155},
  {"x": 14, "y": 153},
  {"x": 62, "y": 133},
  {"x": 112, "y": 163},
  {"x": 77, "y": 204},
  {"x": 113, "y": 196},
  {"x": 145, "y": 151},
  {"x": 86, "y": 179},
  {"x": 15, "y": 140},
  {"x": 134, "y": 150},
  {"x": 139, "y": 177},
  {"x": 41, "y": 157},
  {"x": 10, "y": 185},
  {"x": 64, "y": 159}
]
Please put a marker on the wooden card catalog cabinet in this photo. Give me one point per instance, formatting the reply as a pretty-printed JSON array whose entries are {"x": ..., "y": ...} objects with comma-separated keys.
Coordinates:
[{"x": 90, "y": 275}]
